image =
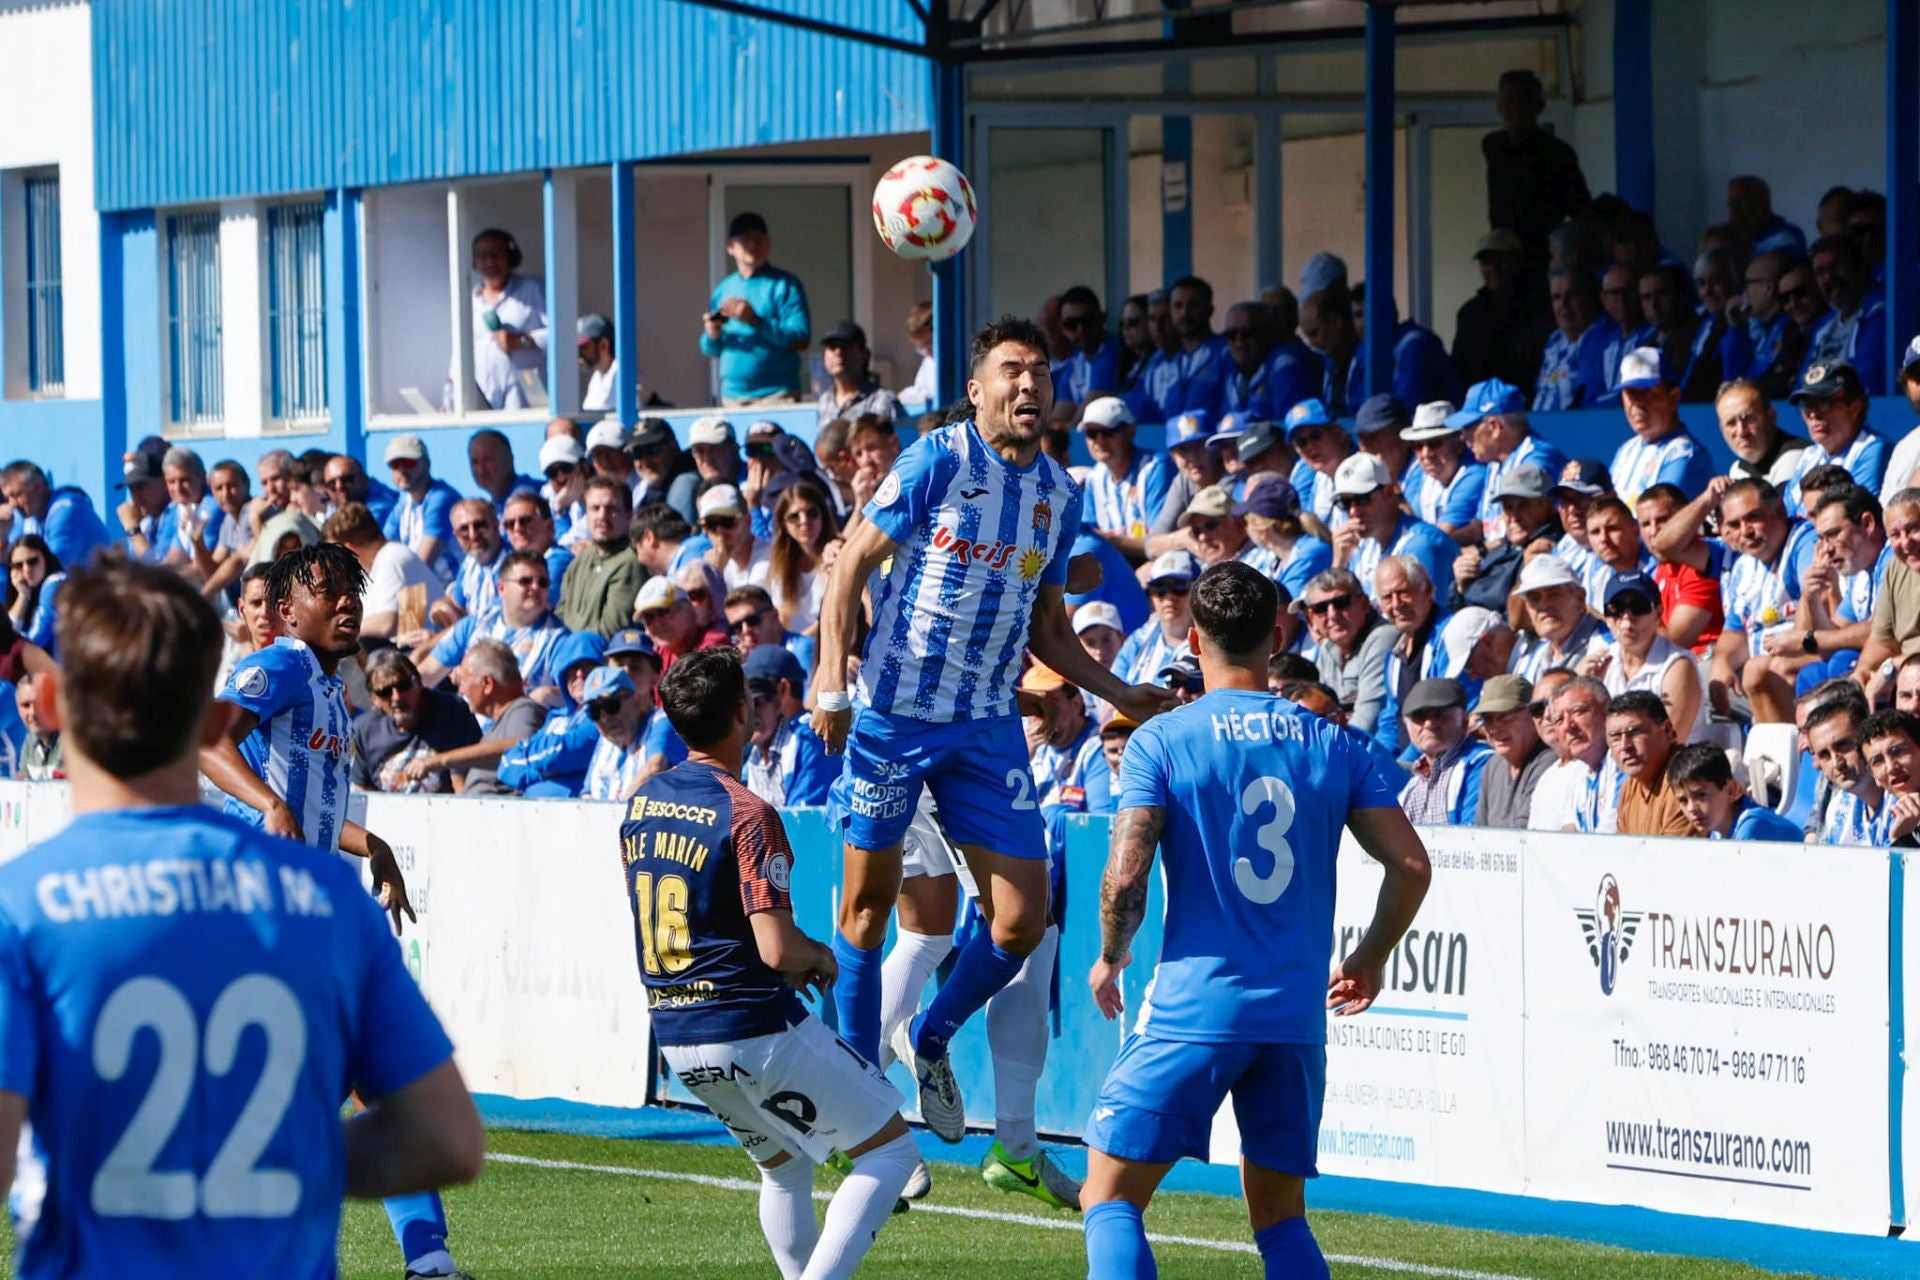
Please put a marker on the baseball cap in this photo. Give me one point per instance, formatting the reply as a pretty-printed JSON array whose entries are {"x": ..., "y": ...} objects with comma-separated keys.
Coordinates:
[
  {"x": 1308, "y": 413},
  {"x": 656, "y": 593},
  {"x": 1463, "y": 631},
  {"x": 772, "y": 662},
  {"x": 1041, "y": 678},
  {"x": 1431, "y": 421},
  {"x": 1499, "y": 240},
  {"x": 1255, "y": 438},
  {"x": 1181, "y": 671},
  {"x": 649, "y": 432},
  {"x": 846, "y": 331},
  {"x": 629, "y": 640},
  {"x": 1587, "y": 477},
  {"x": 1524, "y": 481},
  {"x": 1837, "y": 381},
  {"x": 1173, "y": 565},
  {"x": 1272, "y": 498},
  {"x": 1384, "y": 412},
  {"x": 1434, "y": 694},
  {"x": 792, "y": 453},
  {"x": 592, "y": 327},
  {"x": 1630, "y": 584},
  {"x": 1484, "y": 398},
  {"x": 1118, "y": 721},
  {"x": 1911, "y": 361},
  {"x": 608, "y": 434},
  {"x": 763, "y": 430},
  {"x": 408, "y": 447},
  {"x": 744, "y": 222},
  {"x": 1322, "y": 270},
  {"x": 1502, "y": 694},
  {"x": 137, "y": 467},
  {"x": 1193, "y": 427},
  {"x": 606, "y": 682},
  {"x": 1210, "y": 502},
  {"x": 1097, "y": 613},
  {"x": 1644, "y": 367},
  {"x": 1360, "y": 474},
  {"x": 1106, "y": 412},
  {"x": 711, "y": 429},
  {"x": 560, "y": 450},
  {"x": 721, "y": 500},
  {"x": 1542, "y": 572}
]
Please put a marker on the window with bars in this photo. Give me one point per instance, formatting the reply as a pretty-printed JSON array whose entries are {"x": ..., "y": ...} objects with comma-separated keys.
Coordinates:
[
  {"x": 296, "y": 312},
  {"x": 46, "y": 345},
  {"x": 193, "y": 319}
]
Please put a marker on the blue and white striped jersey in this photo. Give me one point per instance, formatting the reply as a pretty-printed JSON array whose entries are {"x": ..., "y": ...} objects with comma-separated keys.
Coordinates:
[
  {"x": 976, "y": 538},
  {"x": 301, "y": 746},
  {"x": 1128, "y": 504}
]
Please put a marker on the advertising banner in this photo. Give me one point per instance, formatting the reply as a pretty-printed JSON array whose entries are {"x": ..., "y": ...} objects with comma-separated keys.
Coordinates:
[{"x": 1707, "y": 1029}]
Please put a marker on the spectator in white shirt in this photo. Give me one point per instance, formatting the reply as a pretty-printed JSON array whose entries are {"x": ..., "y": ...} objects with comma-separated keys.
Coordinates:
[
  {"x": 392, "y": 569},
  {"x": 736, "y": 553},
  {"x": 1574, "y": 724},
  {"x": 594, "y": 334},
  {"x": 509, "y": 322}
]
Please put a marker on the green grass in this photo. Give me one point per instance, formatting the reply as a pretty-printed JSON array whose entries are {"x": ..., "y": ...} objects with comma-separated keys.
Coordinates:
[{"x": 538, "y": 1223}]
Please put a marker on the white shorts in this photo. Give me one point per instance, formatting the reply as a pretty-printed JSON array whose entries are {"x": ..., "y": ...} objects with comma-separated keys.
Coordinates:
[
  {"x": 799, "y": 1091},
  {"x": 926, "y": 851}
]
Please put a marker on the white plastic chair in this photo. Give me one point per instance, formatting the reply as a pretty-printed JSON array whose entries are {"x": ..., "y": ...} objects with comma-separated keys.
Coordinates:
[{"x": 1772, "y": 757}]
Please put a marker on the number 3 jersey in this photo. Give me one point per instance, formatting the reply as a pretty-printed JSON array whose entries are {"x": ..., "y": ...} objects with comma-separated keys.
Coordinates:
[
  {"x": 185, "y": 1002},
  {"x": 1256, "y": 792},
  {"x": 702, "y": 855}
]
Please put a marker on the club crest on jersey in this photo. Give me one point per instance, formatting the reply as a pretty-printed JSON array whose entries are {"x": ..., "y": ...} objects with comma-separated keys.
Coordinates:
[
  {"x": 251, "y": 682},
  {"x": 993, "y": 555},
  {"x": 1042, "y": 519}
]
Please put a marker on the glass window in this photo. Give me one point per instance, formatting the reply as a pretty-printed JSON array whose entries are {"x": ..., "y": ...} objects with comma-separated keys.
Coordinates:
[
  {"x": 46, "y": 349},
  {"x": 193, "y": 319},
  {"x": 296, "y": 312}
]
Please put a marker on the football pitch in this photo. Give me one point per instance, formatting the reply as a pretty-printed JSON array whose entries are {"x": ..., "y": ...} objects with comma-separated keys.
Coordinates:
[{"x": 565, "y": 1205}]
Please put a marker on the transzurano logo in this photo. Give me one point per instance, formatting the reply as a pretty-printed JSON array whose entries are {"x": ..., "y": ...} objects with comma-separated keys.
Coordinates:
[{"x": 1610, "y": 931}]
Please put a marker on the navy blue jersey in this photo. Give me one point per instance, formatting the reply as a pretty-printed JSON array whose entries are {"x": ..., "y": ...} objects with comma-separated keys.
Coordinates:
[
  {"x": 185, "y": 1002},
  {"x": 703, "y": 853}
]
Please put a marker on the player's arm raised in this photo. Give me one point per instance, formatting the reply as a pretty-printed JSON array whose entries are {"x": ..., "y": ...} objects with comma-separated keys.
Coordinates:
[
  {"x": 1390, "y": 840},
  {"x": 786, "y": 950},
  {"x": 1051, "y": 638},
  {"x": 1123, "y": 900},
  {"x": 865, "y": 548},
  {"x": 227, "y": 770}
]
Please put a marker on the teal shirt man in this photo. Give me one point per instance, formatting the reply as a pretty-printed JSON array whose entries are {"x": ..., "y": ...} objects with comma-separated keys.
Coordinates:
[{"x": 756, "y": 324}]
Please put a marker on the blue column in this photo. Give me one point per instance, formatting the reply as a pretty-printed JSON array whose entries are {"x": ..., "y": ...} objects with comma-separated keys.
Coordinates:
[
  {"x": 947, "y": 91},
  {"x": 1380, "y": 184},
  {"x": 340, "y": 256},
  {"x": 561, "y": 358},
  {"x": 626, "y": 295},
  {"x": 1633, "y": 102},
  {"x": 1176, "y": 223},
  {"x": 1903, "y": 181}
]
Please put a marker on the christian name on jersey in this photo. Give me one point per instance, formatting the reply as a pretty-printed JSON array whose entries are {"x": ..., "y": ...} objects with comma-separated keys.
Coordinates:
[{"x": 177, "y": 886}]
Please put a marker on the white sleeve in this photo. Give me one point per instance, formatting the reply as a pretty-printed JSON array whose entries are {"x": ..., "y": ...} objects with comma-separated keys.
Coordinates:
[{"x": 383, "y": 585}]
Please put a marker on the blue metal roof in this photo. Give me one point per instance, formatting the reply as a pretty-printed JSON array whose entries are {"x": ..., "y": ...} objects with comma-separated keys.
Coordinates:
[{"x": 209, "y": 99}]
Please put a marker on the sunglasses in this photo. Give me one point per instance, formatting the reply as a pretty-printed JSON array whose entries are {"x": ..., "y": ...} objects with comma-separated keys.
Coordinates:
[
  {"x": 1092, "y": 432},
  {"x": 29, "y": 562},
  {"x": 1537, "y": 708},
  {"x": 764, "y": 449},
  {"x": 716, "y": 524},
  {"x": 1241, "y": 334},
  {"x": 647, "y": 450},
  {"x": 1803, "y": 294},
  {"x": 401, "y": 685},
  {"x": 1637, "y": 606},
  {"x": 602, "y": 707},
  {"x": 1073, "y": 322},
  {"x": 338, "y": 482},
  {"x": 699, "y": 593},
  {"x": 1167, "y": 589},
  {"x": 1342, "y": 601},
  {"x": 1352, "y": 501},
  {"x": 559, "y": 469},
  {"x": 518, "y": 522},
  {"x": 803, "y": 515},
  {"x": 1209, "y": 524},
  {"x": 542, "y": 583},
  {"x": 748, "y": 623}
]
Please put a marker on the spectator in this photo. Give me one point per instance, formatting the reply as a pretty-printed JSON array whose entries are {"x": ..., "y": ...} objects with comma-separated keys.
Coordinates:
[
  {"x": 1273, "y": 369},
  {"x": 1581, "y": 482},
  {"x": 1478, "y": 644},
  {"x": 521, "y": 621},
  {"x": 398, "y": 581},
  {"x": 1353, "y": 642},
  {"x": 1494, "y": 417},
  {"x": 1762, "y": 591},
  {"x": 1717, "y": 280},
  {"x": 1841, "y": 590},
  {"x": 1714, "y": 805},
  {"x": 875, "y": 444},
  {"x": 1422, "y": 370},
  {"x": 551, "y": 762},
  {"x": 1573, "y": 372},
  {"x": 1195, "y": 465},
  {"x": 1162, "y": 638},
  {"x": 1447, "y": 777},
  {"x": 1557, "y": 790},
  {"x": 1641, "y": 658},
  {"x": 488, "y": 678},
  {"x": 852, "y": 388},
  {"x": 1563, "y": 632},
  {"x": 1199, "y": 370},
  {"x": 1855, "y": 331},
  {"x": 706, "y": 593},
  {"x": 1286, "y": 552},
  {"x": 1136, "y": 341},
  {"x": 1327, "y": 326},
  {"x": 34, "y": 578},
  {"x": 803, "y": 525},
  {"x": 1661, "y": 450},
  {"x": 601, "y": 583},
  {"x": 1906, "y": 685},
  {"x": 834, "y": 455},
  {"x": 1867, "y": 232},
  {"x": 926, "y": 375},
  {"x": 475, "y": 588},
  {"x": 667, "y": 616},
  {"x": 196, "y": 515},
  {"x": 1150, "y": 380},
  {"x": 529, "y": 526},
  {"x": 1833, "y": 404},
  {"x": 1321, "y": 442},
  {"x": 608, "y": 446},
  {"x": 752, "y": 621},
  {"x": 1665, "y": 300},
  {"x": 1507, "y": 783},
  {"x": 422, "y": 516},
  {"x": 1047, "y": 318},
  {"x": 1761, "y": 450},
  {"x": 1126, "y": 486},
  {"x": 1625, "y": 328},
  {"x": 1688, "y": 570},
  {"x": 593, "y": 336},
  {"x": 1806, "y": 311},
  {"x": 305, "y": 485},
  {"x": 230, "y": 542},
  {"x": 1093, "y": 367},
  {"x": 756, "y": 323},
  {"x": 1377, "y": 430},
  {"x": 662, "y": 472},
  {"x": 408, "y": 722},
  {"x": 736, "y": 553},
  {"x": 1451, "y": 487},
  {"x": 64, "y": 517},
  {"x": 786, "y": 765},
  {"x": 1497, "y": 332},
  {"x": 1376, "y": 526},
  {"x": 509, "y": 326},
  {"x": 1896, "y": 615},
  {"x": 1641, "y": 741},
  {"x": 41, "y": 759},
  {"x": 1528, "y": 520},
  {"x": 1614, "y": 551},
  {"x": 1097, "y": 624},
  {"x": 663, "y": 540},
  {"x": 620, "y": 755},
  {"x": 1904, "y": 459},
  {"x": 1582, "y": 705},
  {"x": 632, "y": 652},
  {"x": 144, "y": 516},
  {"x": 1777, "y": 344},
  {"x": 716, "y": 450},
  {"x": 281, "y": 534},
  {"x": 490, "y": 459},
  {"x": 274, "y": 470},
  {"x": 1854, "y": 798},
  {"x": 1750, "y": 210},
  {"x": 1533, "y": 179},
  {"x": 1406, "y": 600}
]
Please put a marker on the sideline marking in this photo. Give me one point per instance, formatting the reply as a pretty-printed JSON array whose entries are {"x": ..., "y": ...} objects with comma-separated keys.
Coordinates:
[{"x": 988, "y": 1215}]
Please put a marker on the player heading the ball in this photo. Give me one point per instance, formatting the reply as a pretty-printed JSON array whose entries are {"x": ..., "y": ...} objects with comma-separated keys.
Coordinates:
[
  {"x": 185, "y": 1000},
  {"x": 708, "y": 868},
  {"x": 1244, "y": 794}
]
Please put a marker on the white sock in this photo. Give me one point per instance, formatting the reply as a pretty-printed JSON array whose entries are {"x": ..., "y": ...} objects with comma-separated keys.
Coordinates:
[
  {"x": 860, "y": 1208},
  {"x": 786, "y": 1214},
  {"x": 903, "y": 976},
  {"x": 1017, "y": 1037}
]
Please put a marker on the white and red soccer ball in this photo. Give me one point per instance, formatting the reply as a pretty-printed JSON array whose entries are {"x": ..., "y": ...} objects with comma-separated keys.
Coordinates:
[{"x": 923, "y": 209}]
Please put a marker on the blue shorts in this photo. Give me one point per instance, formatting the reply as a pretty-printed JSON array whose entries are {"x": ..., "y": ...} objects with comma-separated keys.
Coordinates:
[
  {"x": 978, "y": 771},
  {"x": 1159, "y": 1100}
]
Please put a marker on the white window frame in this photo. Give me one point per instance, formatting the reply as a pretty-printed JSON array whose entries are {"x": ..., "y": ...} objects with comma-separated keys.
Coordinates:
[
  {"x": 163, "y": 234},
  {"x": 281, "y": 422}
]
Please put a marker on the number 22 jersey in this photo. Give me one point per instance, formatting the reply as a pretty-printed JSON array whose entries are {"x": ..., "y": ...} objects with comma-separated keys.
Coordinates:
[{"x": 184, "y": 1003}]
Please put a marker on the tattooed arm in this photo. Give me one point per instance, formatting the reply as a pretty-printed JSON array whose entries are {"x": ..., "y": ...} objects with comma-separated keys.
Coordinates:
[{"x": 1123, "y": 900}]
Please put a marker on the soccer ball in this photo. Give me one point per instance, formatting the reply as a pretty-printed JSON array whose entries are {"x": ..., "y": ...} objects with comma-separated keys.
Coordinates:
[{"x": 923, "y": 209}]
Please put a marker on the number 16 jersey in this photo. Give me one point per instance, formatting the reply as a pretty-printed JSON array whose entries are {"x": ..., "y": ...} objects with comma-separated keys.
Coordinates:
[{"x": 1256, "y": 792}]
